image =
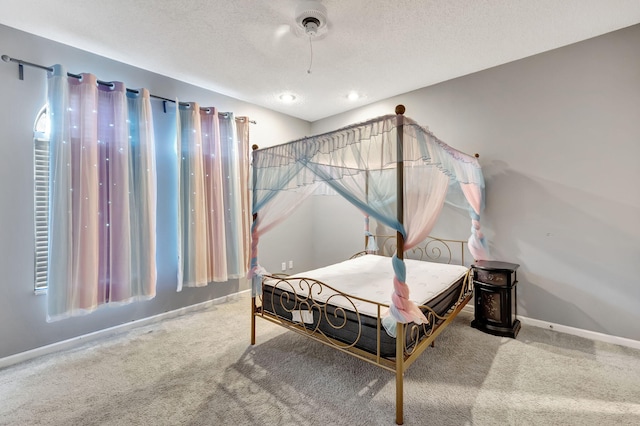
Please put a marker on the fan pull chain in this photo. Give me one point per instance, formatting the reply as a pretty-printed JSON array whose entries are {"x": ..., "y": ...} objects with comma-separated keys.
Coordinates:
[{"x": 311, "y": 58}]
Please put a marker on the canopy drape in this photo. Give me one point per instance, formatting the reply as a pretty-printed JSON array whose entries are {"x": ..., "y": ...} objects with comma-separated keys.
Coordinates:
[
  {"x": 102, "y": 210},
  {"x": 360, "y": 163}
]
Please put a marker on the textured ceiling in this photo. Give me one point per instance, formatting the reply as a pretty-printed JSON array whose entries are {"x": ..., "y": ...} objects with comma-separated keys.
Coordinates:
[{"x": 243, "y": 48}]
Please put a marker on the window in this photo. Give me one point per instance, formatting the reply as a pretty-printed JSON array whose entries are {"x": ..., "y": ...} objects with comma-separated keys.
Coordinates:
[{"x": 41, "y": 199}]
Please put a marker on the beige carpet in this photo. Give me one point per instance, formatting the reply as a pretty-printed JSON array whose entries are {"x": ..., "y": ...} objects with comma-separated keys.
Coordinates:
[{"x": 199, "y": 369}]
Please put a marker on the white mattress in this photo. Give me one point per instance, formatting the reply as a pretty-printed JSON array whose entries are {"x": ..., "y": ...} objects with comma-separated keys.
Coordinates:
[{"x": 371, "y": 277}]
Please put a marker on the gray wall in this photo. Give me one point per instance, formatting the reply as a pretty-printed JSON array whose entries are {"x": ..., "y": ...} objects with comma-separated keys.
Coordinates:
[
  {"x": 22, "y": 314},
  {"x": 558, "y": 136}
]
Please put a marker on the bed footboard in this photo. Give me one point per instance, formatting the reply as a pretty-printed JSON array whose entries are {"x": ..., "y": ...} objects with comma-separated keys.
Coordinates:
[
  {"x": 353, "y": 325},
  {"x": 319, "y": 311},
  {"x": 346, "y": 322}
]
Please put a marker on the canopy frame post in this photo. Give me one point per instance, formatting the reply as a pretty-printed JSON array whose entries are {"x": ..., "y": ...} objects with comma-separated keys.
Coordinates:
[
  {"x": 254, "y": 198},
  {"x": 400, "y": 254}
]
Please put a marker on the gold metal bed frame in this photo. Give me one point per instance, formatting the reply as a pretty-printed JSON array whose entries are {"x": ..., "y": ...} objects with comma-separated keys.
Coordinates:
[
  {"x": 301, "y": 294},
  {"x": 420, "y": 336}
]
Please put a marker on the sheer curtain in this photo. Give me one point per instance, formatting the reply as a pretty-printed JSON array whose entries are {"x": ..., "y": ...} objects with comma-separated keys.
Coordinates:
[
  {"x": 278, "y": 189},
  {"x": 235, "y": 190},
  {"x": 213, "y": 197},
  {"x": 102, "y": 195},
  {"x": 360, "y": 163},
  {"x": 273, "y": 207},
  {"x": 244, "y": 162}
]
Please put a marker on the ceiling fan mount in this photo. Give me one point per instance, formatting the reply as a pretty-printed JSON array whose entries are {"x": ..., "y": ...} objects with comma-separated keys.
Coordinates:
[{"x": 311, "y": 19}]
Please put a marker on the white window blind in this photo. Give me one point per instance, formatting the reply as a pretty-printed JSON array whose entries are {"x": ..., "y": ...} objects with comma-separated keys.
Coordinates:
[{"x": 41, "y": 200}]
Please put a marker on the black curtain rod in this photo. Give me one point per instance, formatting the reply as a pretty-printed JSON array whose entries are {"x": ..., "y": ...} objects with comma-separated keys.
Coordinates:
[{"x": 21, "y": 63}]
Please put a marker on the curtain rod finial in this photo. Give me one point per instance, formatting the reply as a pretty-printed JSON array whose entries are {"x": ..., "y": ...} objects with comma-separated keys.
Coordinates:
[
  {"x": 476, "y": 155},
  {"x": 400, "y": 109},
  {"x": 6, "y": 58},
  {"x": 254, "y": 147}
]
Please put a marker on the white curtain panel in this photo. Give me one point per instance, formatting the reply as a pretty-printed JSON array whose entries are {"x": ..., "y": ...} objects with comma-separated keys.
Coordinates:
[
  {"x": 244, "y": 161},
  {"x": 235, "y": 193}
]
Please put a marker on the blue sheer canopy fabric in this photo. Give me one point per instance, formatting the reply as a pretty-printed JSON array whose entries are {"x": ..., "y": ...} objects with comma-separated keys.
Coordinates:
[
  {"x": 360, "y": 163},
  {"x": 354, "y": 151}
]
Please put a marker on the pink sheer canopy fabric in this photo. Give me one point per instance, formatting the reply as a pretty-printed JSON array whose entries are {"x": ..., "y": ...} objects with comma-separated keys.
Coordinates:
[
  {"x": 477, "y": 246},
  {"x": 359, "y": 163},
  {"x": 272, "y": 214}
]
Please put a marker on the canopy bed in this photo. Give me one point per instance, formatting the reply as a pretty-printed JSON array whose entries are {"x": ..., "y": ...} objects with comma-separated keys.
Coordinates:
[{"x": 383, "y": 310}]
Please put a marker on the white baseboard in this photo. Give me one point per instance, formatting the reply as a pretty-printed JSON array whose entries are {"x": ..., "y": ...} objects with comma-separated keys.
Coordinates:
[
  {"x": 587, "y": 334},
  {"x": 592, "y": 335},
  {"x": 107, "y": 332}
]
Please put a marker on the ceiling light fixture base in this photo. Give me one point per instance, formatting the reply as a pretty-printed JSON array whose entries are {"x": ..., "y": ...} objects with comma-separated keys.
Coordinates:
[{"x": 311, "y": 20}]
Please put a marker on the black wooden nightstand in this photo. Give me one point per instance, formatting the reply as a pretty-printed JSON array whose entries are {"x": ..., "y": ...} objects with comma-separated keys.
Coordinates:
[{"x": 494, "y": 287}]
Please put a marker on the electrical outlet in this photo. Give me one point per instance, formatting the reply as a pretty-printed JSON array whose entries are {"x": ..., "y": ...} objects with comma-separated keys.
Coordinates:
[
  {"x": 284, "y": 266},
  {"x": 291, "y": 264}
]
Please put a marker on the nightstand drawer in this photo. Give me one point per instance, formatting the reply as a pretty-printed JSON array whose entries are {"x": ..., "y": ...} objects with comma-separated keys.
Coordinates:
[{"x": 492, "y": 277}]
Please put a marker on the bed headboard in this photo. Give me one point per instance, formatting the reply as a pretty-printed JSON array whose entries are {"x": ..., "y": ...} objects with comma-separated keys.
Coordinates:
[{"x": 432, "y": 249}]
